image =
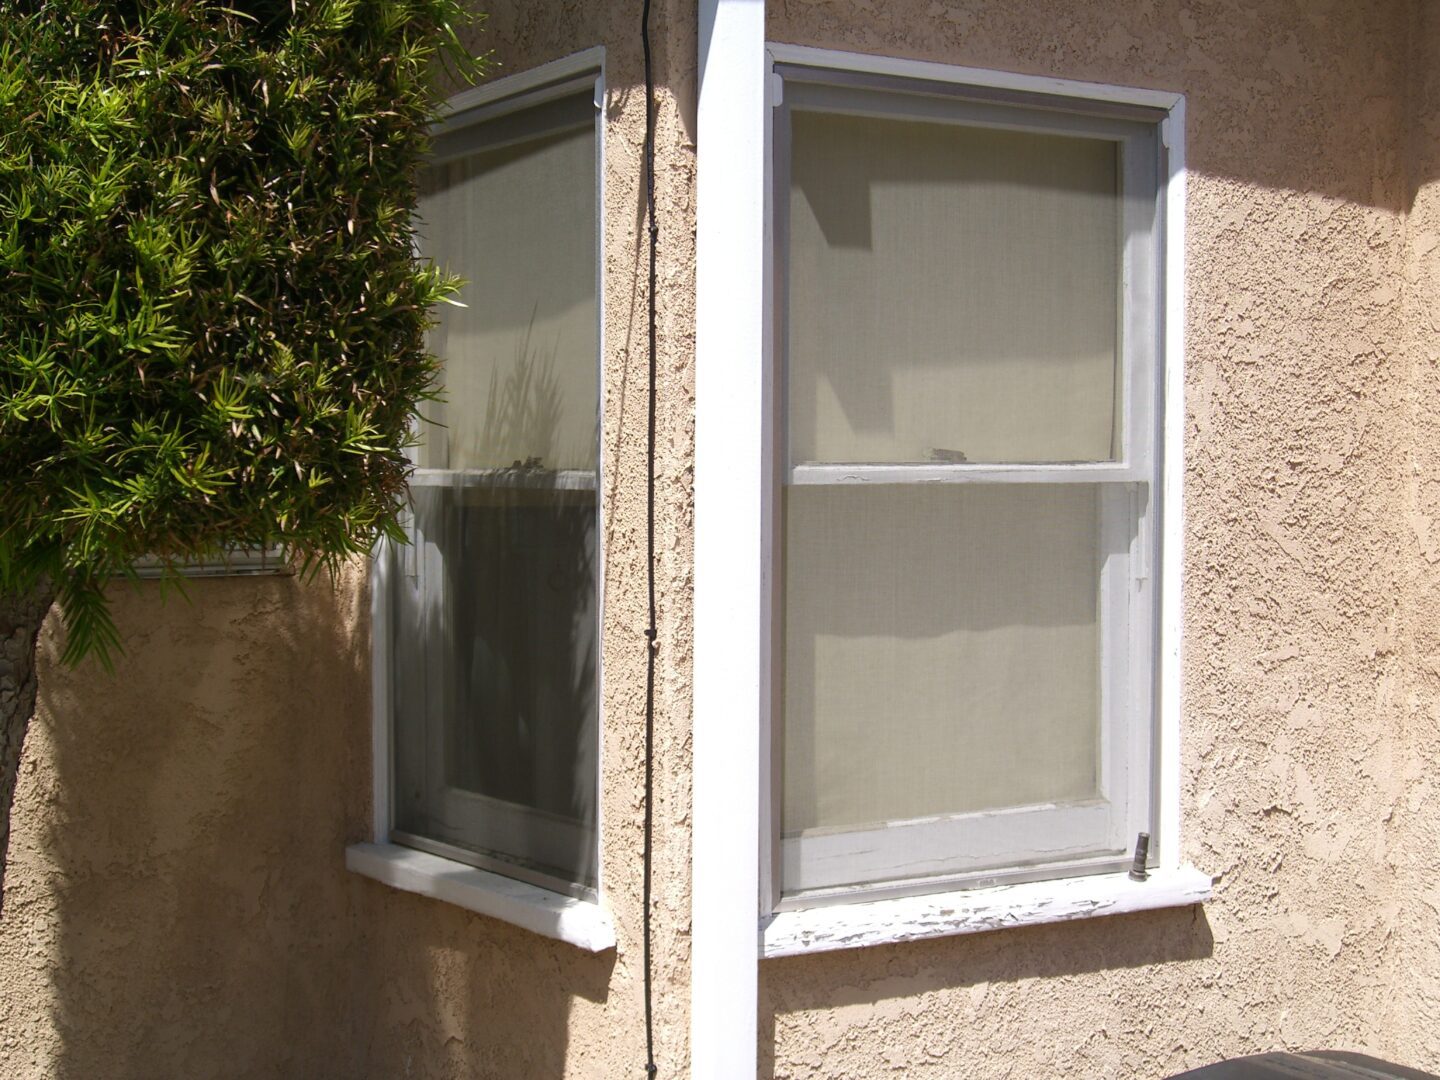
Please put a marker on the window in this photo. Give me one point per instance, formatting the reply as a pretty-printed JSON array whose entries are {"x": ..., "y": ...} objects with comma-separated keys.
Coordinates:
[
  {"x": 493, "y": 610},
  {"x": 967, "y": 399}
]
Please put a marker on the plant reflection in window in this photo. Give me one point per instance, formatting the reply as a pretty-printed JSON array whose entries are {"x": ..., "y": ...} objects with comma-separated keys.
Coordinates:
[{"x": 509, "y": 637}]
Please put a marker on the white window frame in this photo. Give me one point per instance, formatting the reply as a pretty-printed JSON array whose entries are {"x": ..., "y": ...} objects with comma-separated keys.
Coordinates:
[
  {"x": 540, "y": 904},
  {"x": 1024, "y": 842},
  {"x": 734, "y": 529}
]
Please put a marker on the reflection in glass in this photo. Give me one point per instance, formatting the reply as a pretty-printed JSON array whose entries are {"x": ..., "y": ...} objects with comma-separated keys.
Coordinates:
[
  {"x": 496, "y": 667},
  {"x": 495, "y": 605}
]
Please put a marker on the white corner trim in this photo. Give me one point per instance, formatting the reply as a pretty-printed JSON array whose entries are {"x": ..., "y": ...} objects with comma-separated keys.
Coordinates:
[
  {"x": 806, "y": 56},
  {"x": 730, "y": 425},
  {"x": 580, "y": 923},
  {"x": 914, "y": 918}
]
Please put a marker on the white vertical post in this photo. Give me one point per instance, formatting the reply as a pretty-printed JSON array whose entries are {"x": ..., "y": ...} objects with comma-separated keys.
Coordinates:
[{"x": 729, "y": 569}]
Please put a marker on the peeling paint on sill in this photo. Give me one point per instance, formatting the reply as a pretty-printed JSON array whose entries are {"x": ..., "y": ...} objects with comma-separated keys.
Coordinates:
[{"x": 971, "y": 911}]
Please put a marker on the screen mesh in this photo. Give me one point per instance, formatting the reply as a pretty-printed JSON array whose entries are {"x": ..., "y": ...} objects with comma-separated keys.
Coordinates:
[
  {"x": 495, "y": 626},
  {"x": 941, "y": 650},
  {"x": 518, "y": 224},
  {"x": 953, "y": 293}
]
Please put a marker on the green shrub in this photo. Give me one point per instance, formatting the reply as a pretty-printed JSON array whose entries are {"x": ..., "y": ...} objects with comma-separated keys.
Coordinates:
[{"x": 211, "y": 319}]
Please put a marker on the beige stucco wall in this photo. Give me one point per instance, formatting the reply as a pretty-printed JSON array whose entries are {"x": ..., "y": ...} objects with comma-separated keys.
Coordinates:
[
  {"x": 1309, "y": 724},
  {"x": 179, "y": 905},
  {"x": 1416, "y": 850}
]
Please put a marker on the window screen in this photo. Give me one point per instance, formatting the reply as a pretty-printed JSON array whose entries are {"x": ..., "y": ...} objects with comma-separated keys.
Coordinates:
[
  {"x": 942, "y": 650},
  {"x": 965, "y": 340},
  {"x": 980, "y": 275},
  {"x": 495, "y": 655}
]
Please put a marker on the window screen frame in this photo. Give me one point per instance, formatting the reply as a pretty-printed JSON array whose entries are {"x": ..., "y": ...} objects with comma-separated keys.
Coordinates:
[
  {"x": 455, "y": 135},
  {"x": 1129, "y": 488}
]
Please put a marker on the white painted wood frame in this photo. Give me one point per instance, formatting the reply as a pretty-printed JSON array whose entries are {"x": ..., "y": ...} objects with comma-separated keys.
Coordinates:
[
  {"x": 733, "y": 449},
  {"x": 443, "y": 872},
  {"x": 731, "y": 403},
  {"x": 1171, "y": 521},
  {"x": 1017, "y": 843},
  {"x": 1169, "y": 512}
]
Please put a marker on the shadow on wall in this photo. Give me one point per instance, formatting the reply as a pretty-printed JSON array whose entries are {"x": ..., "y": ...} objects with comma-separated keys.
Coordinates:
[
  {"x": 1309, "y": 98},
  {"x": 454, "y": 994},
  {"x": 896, "y": 984},
  {"x": 191, "y": 800},
  {"x": 182, "y": 903}
]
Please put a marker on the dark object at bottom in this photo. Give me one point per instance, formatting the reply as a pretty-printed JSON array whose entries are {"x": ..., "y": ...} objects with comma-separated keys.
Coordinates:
[{"x": 1313, "y": 1065}]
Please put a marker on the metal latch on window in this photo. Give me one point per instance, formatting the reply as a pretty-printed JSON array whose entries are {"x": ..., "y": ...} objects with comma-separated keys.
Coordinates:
[
  {"x": 1140, "y": 545},
  {"x": 409, "y": 560}
]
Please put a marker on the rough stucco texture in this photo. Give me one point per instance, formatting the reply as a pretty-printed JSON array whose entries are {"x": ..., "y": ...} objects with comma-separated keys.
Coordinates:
[
  {"x": 1417, "y": 848},
  {"x": 1309, "y": 574},
  {"x": 179, "y": 905}
]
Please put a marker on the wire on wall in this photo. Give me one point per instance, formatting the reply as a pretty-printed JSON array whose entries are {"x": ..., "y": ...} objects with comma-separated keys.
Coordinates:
[{"x": 652, "y": 634}]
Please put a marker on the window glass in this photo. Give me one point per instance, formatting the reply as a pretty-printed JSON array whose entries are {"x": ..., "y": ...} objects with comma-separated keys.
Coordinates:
[
  {"x": 964, "y": 678},
  {"x": 953, "y": 293},
  {"x": 495, "y": 637},
  {"x": 941, "y": 650}
]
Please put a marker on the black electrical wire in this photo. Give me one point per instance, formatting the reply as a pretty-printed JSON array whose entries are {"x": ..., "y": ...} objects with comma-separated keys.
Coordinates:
[{"x": 652, "y": 633}]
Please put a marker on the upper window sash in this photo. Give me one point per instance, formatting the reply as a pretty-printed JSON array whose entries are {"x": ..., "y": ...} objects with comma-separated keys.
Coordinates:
[{"x": 1135, "y": 131}]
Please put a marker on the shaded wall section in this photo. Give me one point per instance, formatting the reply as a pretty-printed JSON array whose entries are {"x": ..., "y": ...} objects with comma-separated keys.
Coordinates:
[
  {"x": 179, "y": 904},
  {"x": 1295, "y": 775}
]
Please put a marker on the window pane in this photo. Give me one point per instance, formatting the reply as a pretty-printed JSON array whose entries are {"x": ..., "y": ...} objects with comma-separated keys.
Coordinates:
[
  {"x": 518, "y": 224},
  {"x": 495, "y": 631},
  {"x": 953, "y": 293},
  {"x": 942, "y": 650},
  {"x": 495, "y": 658}
]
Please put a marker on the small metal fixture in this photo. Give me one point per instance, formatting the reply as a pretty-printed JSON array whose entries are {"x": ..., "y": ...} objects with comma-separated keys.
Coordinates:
[{"x": 1142, "y": 854}]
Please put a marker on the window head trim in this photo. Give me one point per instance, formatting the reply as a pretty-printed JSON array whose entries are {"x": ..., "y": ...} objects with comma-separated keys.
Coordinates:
[{"x": 833, "y": 64}]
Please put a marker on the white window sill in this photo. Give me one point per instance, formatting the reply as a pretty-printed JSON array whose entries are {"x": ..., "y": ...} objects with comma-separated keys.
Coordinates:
[
  {"x": 914, "y": 918},
  {"x": 579, "y": 922}
]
